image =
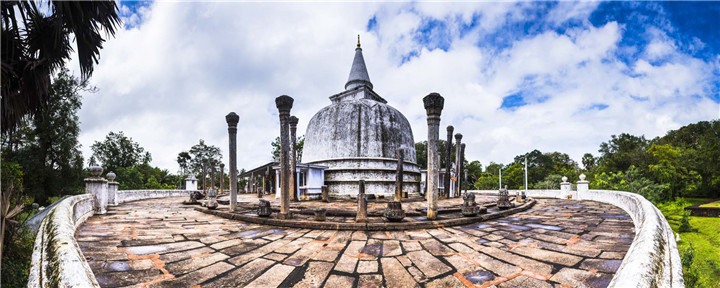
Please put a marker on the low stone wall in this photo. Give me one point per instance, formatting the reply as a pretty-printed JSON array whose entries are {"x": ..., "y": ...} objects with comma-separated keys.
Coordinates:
[
  {"x": 696, "y": 210},
  {"x": 132, "y": 195},
  {"x": 57, "y": 260},
  {"x": 653, "y": 259}
]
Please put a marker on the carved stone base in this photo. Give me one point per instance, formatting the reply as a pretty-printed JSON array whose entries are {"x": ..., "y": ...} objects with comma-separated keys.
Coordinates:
[
  {"x": 320, "y": 214},
  {"x": 470, "y": 211},
  {"x": 394, "y": 211},
  {"x": 264, "y": 208}
]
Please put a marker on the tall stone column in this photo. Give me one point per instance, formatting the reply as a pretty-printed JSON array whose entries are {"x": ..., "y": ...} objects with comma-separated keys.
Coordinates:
[
  {"x": 399, "y": 177},
  {"x": 97, "y": 186},
  {"x": 232, "y": 120},
  {"x": 448, "y": 161},
  {"x": 212, "y": 174},
  {"x": 458, "y": 162},
  {"x": 293, "y": 121},
  {"x": 361, "y": 215},
  {"x": 284, "y": 104},
  {"x": 433, "y": 106},
  {"x": 222, "y": 177},
  {"x": 461, "y": 169},
  {"x": 204, "y": 175},
  {"x": 112, "y": 189}
]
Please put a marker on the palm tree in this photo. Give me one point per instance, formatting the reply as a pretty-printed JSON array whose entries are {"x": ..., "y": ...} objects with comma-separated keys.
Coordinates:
[{"x": 35, "y": 43}]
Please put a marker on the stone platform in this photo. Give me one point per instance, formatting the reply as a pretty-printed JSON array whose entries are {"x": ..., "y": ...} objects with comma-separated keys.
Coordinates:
[{"x": 159, "y": 243}]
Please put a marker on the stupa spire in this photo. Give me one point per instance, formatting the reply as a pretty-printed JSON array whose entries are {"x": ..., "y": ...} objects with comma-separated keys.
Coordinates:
[{"x": 358, "y": 72}]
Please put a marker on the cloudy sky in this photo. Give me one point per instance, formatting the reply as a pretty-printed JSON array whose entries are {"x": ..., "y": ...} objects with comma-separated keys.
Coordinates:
[{"x": 515, "y": 76}]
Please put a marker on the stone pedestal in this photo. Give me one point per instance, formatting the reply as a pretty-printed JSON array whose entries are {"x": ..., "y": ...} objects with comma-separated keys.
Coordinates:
[
  {"x": 284, "y": 103},
  {"x": 503, "y": 201},
  {"x": 361, "y": 216},
  {"x": 469, "y": 207},
  {"x": 112, "y": 189},
  {"x": 320, "y": 214},
  {"x": 433, "y": 106},
  {"x": 324, "y": 194},
  {"x": 394, "y": 211},
  {"x": 582, "y": 187},
  {"x": 232, "y": 120},
  {"x": 565, "y": 190},
  {"x": 212, "y": 203},
  {"x": 97, "y": 186},
  {"x": 264, "y": 208}
]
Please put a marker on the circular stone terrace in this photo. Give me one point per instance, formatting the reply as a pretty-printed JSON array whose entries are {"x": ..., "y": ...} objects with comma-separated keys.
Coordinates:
[{"x": 162, "y": 243}]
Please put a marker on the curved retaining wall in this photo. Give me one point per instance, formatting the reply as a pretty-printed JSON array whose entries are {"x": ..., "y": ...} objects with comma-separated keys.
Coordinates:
[
  {"x": 57, "y": 260},
  {"x": 653, "y": 259}
]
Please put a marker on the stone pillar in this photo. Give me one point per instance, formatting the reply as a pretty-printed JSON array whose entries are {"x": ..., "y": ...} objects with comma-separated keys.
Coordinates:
[
  {"x": 97, "y": 186},
  {"x": 212, "y": 175},
  {"x": 399, "y": 176},
  {"x": 361, "y": 215},
  {"x": 448, "y": 161},
  {"x": 461, "y": 169},
  {"x": 324, "y": 193},
  {"x": 191, "y": 182},
  {"x": 565, "y": 188},
  {"x": 458, "y": 162},
  {"x": 433, "y": 106},
  {"x": 204, "y": 175},
  {"x": 465, "y": 175},
  {"x": 583, "y": 187},
  {"x": 212, "y": 203},
  {"x": 293, "y": 121},
  {"x": 112, "y": 189},
  {"x": 232, "y": 120},
  {"x": 268, "y": 183},
  {"x": 284, "y": 104},
  {"x": 222, "y": 177}
]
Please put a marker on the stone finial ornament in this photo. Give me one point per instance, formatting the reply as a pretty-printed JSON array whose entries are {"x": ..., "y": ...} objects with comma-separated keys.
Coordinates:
[
  {"x": 110, "y": 176},
  {"x": 434, "y": 103},
  {"x": 564, "y": 178},
  {"x": 95, "y": 171},
  {"x": 582, "y": 177},
  {"x": 284, "y": 102}
]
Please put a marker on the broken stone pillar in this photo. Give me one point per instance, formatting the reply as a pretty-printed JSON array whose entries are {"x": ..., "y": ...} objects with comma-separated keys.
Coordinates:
[
  {"x": 324, "y": 193},
  {"x": 284, "y": 104},
  {"x": 448, "y": 161},
  {"x": 469, "y": 207},
  {"x": 565, "y": 188},
  {"x": 394, "y": 211},
  {"x": 293, "y": 121},
  {"x": 112, "y": 189},
  {"x": 232, "y": 120},
  {"x": 320, "y": 214},
  {"x": 399, "y": 176},
  {"x": 458, "y": 159},
  {"x": 433, "y": 106},
  {"x": 264, "y": 208},
  {"x": 361, "y": 216},
  {"x": 222, "y": 177},
  {"x": 503, "y": 201},
  {"x": 582, "y": 187},
  {"x": 97, "y": 186},
  {"x": 212, "y": 203}
]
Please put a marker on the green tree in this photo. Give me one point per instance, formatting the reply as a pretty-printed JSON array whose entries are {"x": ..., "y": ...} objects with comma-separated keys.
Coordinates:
[
  {"x": 588, "y": 161},
  {"x": 202, "y": 153},
  {"x": 183, "y": 160},
  {"x": 299, "y": 144},
  {"x": 118, "y": 150},
  {"x": 36, "y": 43},
  {"x": 623, "y": 151}
]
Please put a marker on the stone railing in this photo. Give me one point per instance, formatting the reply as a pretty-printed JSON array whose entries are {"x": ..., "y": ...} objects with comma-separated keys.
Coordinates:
[
  {"x": 653, "y": 259},
  {"x": 132, "y": 195},
  {"x": 57, "y": 260}
]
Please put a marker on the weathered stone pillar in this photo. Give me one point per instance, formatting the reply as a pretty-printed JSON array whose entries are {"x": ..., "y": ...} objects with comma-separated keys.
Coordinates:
[
  {"x": 320, "y": 214},
  {"x": 582, "y": 187},
  {"x": 212, "y": 175},
  {"x": 97, "y": 186},
  {"x": 212, "y": 203},
  {"x": 565, "y": 188},
  {"x": 232, "y": 120},
  {"x": 448, "y": 161},
  {"x": 284, "y": 104},
  {"x": 204, "y": 175},
  {"x": 112, "y": 189},
  {"x": 361, "y": 215},
  {"x": 222, "y": 177},
  {"x": 458, "y": 162},
  {"x": 399, "y": 176},
  {"x": 268, "y": 183},
  {"x": 324, "y": 193},
  {"x": 293, "y": 121},
  {"x": 461, "y": 170},
  {"x": 433, "y": 106}
]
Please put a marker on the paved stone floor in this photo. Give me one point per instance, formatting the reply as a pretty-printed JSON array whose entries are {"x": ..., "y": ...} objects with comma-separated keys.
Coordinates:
[{"x": 160, "y": 243}]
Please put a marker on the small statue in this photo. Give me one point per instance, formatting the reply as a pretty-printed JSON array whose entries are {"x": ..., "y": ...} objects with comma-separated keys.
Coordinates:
[
  {"x": 469, "y": 207},
  {"x": 503, "y": 201}
]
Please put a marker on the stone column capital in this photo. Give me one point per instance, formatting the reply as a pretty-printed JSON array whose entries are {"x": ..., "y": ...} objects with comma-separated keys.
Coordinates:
[
  {"x": 450, "y": 129},
  {"x": 433, "y": 104},
  {"x": 284, "y": 103},
  {"x": 293, "y": 121},
  {"x": 458, "y": 137},
  {"x": 232, "y": 119}
]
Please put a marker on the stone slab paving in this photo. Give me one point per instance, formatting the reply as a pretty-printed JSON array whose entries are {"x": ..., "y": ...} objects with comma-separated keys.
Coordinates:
[{"x": 160, "y": 243}]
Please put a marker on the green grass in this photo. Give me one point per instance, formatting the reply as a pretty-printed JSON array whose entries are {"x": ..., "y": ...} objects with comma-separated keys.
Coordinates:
[
  {"x": 715, "y": 204},
  {"x": 706, "y": 240}
]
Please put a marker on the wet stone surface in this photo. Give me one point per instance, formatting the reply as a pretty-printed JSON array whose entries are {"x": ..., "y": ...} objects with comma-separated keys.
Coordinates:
[{"x": 161, "y": 243}]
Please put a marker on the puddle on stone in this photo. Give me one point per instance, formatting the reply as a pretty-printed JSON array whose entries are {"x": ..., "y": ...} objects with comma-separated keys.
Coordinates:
[
  {"x": 481, "y": 240},
  {"x": 143, "y": 250},
  {"x": 119, "y": 266},
  {"x": 614, "y": 216},
  {"x": 479, "y": 276},
  {"x": 546, "y": 227},
  {"x": 519, "y": 227},
  {"x": 483, "y": 226}
]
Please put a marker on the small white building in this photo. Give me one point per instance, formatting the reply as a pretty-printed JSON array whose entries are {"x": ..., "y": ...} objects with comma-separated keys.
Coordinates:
[
  {"x": 309, "y": 180},
  {"x": 191, "y": 183}
]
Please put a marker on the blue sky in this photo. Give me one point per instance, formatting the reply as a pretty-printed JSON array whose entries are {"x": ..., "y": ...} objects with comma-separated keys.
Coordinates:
[{"x": 554, "y": 76}]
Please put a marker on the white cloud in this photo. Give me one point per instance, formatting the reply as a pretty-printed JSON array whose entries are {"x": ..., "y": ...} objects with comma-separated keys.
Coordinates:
[{"x": 170, "y": 80}]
